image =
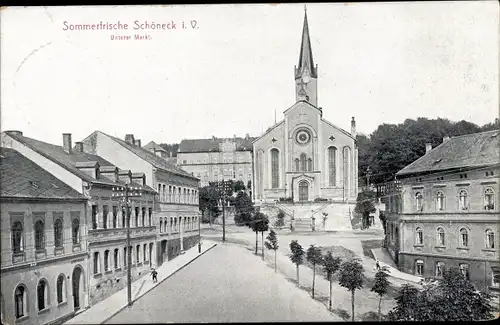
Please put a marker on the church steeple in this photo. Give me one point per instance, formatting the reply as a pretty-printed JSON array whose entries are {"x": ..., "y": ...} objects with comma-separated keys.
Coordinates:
[{"x": 306, "y": 73}]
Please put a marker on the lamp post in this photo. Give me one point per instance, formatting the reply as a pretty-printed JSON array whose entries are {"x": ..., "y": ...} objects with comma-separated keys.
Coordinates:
[
  {"x": 125, "y": 193},
  {"x": 223, "y": 189}
]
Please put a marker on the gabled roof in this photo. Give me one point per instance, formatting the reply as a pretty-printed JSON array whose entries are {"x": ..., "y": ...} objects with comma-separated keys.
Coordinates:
[
  {"x": 465, "y": 151},
  {"x": 154, "y": 145},
  {"x": 22, "y": 178},
  {"x": 148, "y": 156},
  {"x": 212, "y": 145}
]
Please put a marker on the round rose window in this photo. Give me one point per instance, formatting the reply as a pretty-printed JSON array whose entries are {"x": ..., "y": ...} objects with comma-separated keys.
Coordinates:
[{"x": 303, "y": 137}]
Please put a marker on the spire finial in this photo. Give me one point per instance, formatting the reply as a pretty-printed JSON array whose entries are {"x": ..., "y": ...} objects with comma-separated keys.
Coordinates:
[{"x": 305, "y": 7}]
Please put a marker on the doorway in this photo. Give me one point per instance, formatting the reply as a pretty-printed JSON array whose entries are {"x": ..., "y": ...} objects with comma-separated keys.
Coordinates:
[
  {"x": 77, "y": 286},
  {"x": 303, "y": 191}
]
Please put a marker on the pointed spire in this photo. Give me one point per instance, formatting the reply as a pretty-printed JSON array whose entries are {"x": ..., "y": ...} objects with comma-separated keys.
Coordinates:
[{"x": 305, "y": 57}]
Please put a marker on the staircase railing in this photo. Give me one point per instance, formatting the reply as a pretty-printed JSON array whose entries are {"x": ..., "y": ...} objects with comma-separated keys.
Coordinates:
[{"x": 285, "y": 210}]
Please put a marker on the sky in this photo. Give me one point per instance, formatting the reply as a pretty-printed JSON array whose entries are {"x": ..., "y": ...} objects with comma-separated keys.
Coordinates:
[{"x": 377, "y": 62}]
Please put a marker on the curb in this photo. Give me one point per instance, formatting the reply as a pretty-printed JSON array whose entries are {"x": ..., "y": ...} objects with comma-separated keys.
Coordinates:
[
  {"x": 134, "y": 300},
  {"x": 392, "y": 274}
]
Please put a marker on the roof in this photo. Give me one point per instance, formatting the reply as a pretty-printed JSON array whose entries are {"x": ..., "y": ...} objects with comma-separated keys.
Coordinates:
[
  {"x": 22, "y": 178},
  {"x": 470, "y": 150},
  {"x": 306, "y": 57},
  {"x": 69, "y": 161},
  {"x": 148, "y": 156},
  {"x": 213, "y": 145},
  {"x": 154, "y": 145}
]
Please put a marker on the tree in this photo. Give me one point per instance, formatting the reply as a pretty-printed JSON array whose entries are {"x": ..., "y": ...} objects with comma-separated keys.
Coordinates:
[
  {"x": 254, "y": 224},
  {"x": 380, "y": 287},
  {"x": 351, "y": 277},
  {"x": 365, "y": 204},
  {"x": 244, "y": 209},
  {"x": 272, "y": 244},
  {"x": 491, "y": 126},
  {"x": 263, "y": 226},
  {"x": 330, "y": 266},
  {"x": 239, "y": 186},
  {"x": 315, "y": 258},
  {"x": 297, "y": 256},
  {"x": 208, "y": 202},
  {"x": 280, "y": 219},
  {"x": 453, "y": 298}
]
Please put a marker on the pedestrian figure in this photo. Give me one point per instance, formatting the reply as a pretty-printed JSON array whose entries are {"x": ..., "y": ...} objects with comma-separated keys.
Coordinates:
[
  {"x": 377, "y": 264},
  {"x": 154, "y": 274}
]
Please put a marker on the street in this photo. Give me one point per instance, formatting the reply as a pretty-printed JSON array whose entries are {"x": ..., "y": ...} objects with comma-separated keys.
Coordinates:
[{"x": 228, "y": 284}]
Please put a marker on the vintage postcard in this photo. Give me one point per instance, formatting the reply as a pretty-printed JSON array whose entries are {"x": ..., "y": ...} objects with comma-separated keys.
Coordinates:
[{"x": 250, "y": 163}]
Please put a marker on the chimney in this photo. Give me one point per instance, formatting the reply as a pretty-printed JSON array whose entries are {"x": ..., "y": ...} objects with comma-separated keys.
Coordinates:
[
  {"x": 79, "y": 147},
  {"x": 137, "y": 142},
  {"x": 353, "y": 127},
  {"x": 446, "y": 138},
  {"x": 428, "y": 147},
  {"x": 67, "y": 142},
  {"x": 247, "y": 136},
  {"x": 15, "y": 132},
  {"x": 129, "y": 138}
]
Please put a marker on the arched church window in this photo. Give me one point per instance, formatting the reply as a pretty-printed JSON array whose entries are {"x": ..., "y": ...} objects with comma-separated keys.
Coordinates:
[
  {"x": 309, "y": 164},
  {"x": 275, "y": 168},
  {"x": 303, "y": 162},
  {"x": 297, "y": 164},
  {"x": 332, "y": 168},
  {"x": 346, "y": 169}
]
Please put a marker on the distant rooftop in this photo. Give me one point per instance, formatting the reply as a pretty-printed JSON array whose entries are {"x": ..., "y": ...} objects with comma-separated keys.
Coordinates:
[{"x": 213, "y": 144}]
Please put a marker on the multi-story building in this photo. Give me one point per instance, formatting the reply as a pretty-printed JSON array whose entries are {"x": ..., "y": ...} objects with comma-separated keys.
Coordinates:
[
  {"x": 105, "y": 230},
  {"x": 443, "y": 210},
  {"x": 176, "y": 212},
  {"x": 44, "y": 262},
  {"x": 212, "y": 160}
]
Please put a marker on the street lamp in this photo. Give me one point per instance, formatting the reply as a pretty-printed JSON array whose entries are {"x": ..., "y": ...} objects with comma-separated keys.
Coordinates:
[{"x": 125, "y": 193}]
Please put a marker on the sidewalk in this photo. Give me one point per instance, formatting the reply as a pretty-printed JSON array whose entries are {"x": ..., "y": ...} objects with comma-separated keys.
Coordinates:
[
  {"x": 385, "y": 260},
  {"x": 104, "y": 310}
]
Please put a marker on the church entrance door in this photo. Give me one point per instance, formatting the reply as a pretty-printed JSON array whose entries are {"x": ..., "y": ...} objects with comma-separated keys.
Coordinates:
[{"x": 303, "y": 191}]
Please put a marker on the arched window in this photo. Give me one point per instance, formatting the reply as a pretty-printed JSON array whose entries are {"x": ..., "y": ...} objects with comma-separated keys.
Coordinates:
[
  {"x": 332, "y": 166},
  {"x": 42, "y": 294},
  {"x": 275, "y": 168},
  {"x": 125, "y": 257},
  {"x": 115, "y": 216},
  {"x": 303, "y": 162},
  {"x": 143, "y": 217},
  {"x": 96, "y": 263},
  {"x": 61, "y": 289},
  {"x": 419, "y": 200},
  {"x": 150, "y": 212},
  {"x": 17, "y": 237},
  {"x": 144, "y": 252},
  {"x": 105, "y": 212},
  {"x": 58, "y": 233},
  {"x": 124, "y": 215},
  {"x": 106, "y": 260},
  {"x": 297, "y": 164},
  {"x": 39, "y": 235},
  {"x": 419, "y": 239},
  {"x": 490, "y": 239},
  {"x": 161, "y": 225},
  {"x": 419, "y": 267},
  {"x": 463, "y": 200},
  {"x": 439, "y": 269},
  {"x": 75, "y": 230},
  {"x": 138, "y": 253},
  {"x": 347, "y": 169},
  {"x": 309, "y": 164},
  {"x": 440, "y": 237},
  {"x": 137, "y": 216},
  {"x": 20, "y": 301},
  {"x": 175, "y": 224},
  {"x": 439, "y": 201},
  {"x": 489, "y": 199},
  {"x": 115, "y": 258},
  {"x": 464, "y": 237}
]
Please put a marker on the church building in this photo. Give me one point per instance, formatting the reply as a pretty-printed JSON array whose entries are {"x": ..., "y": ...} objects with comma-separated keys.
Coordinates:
[{"x": 305, "y": 158}]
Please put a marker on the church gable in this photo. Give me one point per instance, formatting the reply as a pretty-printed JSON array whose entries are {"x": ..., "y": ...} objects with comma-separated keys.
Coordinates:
[
  {"x": 335, "y": 136},
  {"x": 302, "y": 113},
  {"x": 273, "y": 138}
]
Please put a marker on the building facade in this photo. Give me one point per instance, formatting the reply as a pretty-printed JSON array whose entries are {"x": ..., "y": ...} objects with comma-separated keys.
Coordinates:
[
  {"x": 97, "y": 179},
  {"x": 444, "y": 211},
  {"x": 44, "y": 261},
  {"x": 176, "y": 210},
  {"x": 305, "y": 157},
  {"x": 212, "y": 160}
]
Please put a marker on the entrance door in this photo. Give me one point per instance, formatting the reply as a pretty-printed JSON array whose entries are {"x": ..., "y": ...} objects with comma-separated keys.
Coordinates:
[
  {"x": 303, "y": 191},
  {"x": 76, "y": 278},
  {"x": 164, "y": 251}
]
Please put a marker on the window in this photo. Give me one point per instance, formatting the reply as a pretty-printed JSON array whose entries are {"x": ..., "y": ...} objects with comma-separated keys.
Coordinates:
[
  {"x": 160, "y": 193},
  {"x": 42, "y": 292},
  {"x": 464, "y": 269},
  {"x": 419, "y": 239},
  {"x": 490, "y": 239},
  {"x": 75, "y": 229},
  {"x": 309, "y": 164},
  {"x": 440, "y": 237},
  {"x": 419, "y": 267},
  {"x": 106, "y": 260},
  {"x": 489, "y": 199},
  {"x": 464, "y": 237},
  {"x": 143, "y": 216},
  {"x": 105, "y": 211},
  {"x": 125, "y": 257},
  {"x": 419, "y": 200},
  {"x": 61, "y": 290},
  {"x": 124, "y": 220},
  {"x": 20, "y": 301},
  {"x": 137, "y": 216},
  {"x": 303, "y": 162},
  {"x": 96, "y": 262},
  {"x": 144, "y": 252},
  {"x": 94, "y": 217},
  {"x": 39, "y": 235},
  {"x": 439, "y": 201},
  {"x": 17, "y": 237},
  {"x": 58, "y": 233},
  {"x": 115, "y": 216},
  {"x": 115, "y": 258},
  {"x": 161, "y": 225},
  {"x": 138, "y": 252},
  {"x": 439, "y": 269},
  {"x": 463, "y": 200},
  {"x": 332, "y": 170},
  {"x": 495, "y": 277}
]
